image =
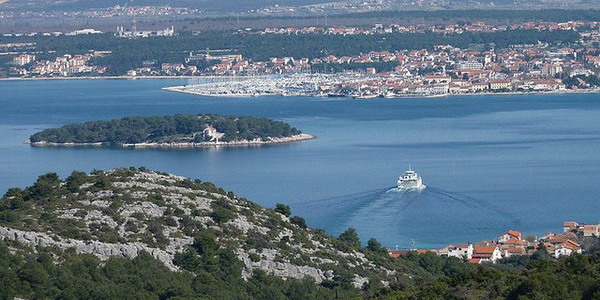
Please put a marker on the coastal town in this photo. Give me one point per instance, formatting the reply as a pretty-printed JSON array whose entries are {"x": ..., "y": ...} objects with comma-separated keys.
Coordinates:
[
  {"x": 445, "y": 70},
  {"x": 436, "y": 71},
  {"x": 442, "y": 70},
  {"x": 575, "y": 238}
]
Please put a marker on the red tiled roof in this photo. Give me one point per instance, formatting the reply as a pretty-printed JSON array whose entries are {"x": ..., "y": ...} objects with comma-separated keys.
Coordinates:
[
  {"x": 513, "y": 233},
  {"x": 557, "y": 239},
  {"x": 475, "y": 260},
  {"x": 484, "y": 251},
  {"x": 570, "y": 245}
]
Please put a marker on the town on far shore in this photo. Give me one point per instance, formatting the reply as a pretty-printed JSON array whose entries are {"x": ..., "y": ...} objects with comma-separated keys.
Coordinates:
[
  {"x": 575, "y": 238},
  {"x": 436, "y": 71}
]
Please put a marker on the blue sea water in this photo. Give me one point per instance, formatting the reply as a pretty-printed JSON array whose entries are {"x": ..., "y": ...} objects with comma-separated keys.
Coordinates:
[{"x": 491, "y": 163}]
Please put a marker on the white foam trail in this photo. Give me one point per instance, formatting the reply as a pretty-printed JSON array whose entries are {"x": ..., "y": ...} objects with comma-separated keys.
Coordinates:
[{"x": 474, "y": 203}]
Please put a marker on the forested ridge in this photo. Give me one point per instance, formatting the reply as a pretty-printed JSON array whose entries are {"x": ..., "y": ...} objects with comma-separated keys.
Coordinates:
[{"x": 165, "y": 129}]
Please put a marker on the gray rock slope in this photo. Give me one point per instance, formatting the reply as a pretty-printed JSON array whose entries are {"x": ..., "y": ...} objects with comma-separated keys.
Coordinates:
[{"x": 125, "y": 211}]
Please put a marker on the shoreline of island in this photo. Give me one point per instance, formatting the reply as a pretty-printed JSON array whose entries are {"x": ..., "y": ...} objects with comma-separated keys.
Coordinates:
[{"x": 239, "y": 143}]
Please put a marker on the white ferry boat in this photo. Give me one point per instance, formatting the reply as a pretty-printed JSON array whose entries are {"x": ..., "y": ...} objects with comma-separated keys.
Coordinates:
[{"x": 410, "y": 181}]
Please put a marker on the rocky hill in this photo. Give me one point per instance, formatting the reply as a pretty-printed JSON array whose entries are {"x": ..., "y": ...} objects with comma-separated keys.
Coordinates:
[
  {"x": 139, "y": 234},
  {"x": 125, "y": 212}
]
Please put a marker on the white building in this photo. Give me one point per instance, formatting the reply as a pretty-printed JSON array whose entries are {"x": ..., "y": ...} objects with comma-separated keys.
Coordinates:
[
  {"x": 566, "y": 249},
  {"x": 469, "y": 65},
  {"x": 509, "y": 235},
  {"x": 463, "y": 251},
  {"x": 212, "y": 134},
  {"x": 591, "y": 230},
  {"x": 486, "y": 254},
  {"x": 121, "y": 32},
  {"x": 83, "y": 32}
]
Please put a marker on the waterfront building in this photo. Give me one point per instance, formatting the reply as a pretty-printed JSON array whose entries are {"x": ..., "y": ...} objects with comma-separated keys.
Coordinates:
[{"x": 500, "y": 84}]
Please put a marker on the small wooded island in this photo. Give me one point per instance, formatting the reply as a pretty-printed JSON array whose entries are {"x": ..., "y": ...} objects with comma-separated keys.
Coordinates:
[{"x": 204, "y": 130}]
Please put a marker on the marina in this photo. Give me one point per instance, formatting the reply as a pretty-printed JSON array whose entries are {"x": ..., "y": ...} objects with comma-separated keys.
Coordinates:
[
  {"x": 350, "y": 85},
  {"x": 274, "y": 85}
]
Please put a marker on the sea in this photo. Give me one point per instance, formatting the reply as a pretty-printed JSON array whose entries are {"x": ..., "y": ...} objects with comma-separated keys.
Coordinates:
[{"x": 490, "y": 163}]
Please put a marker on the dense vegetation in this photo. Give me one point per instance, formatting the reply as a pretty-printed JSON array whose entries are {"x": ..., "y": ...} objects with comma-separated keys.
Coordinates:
[
  {"x": 164, "y": 129},
  {"x": 130, "y": 53},
  {"x": 574, "y": 277},
  {"x": 212, "y": 273}
]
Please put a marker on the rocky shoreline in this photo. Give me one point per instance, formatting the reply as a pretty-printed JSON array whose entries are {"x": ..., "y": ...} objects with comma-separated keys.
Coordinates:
[{"x": 241, "y": 143}]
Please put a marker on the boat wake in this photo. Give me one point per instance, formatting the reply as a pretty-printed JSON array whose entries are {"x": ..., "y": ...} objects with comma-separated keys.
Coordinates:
[
  {"x": 327, "y": 212},
  {"x": 390, "y": 214},
  {"x": 474, "y": 203}
]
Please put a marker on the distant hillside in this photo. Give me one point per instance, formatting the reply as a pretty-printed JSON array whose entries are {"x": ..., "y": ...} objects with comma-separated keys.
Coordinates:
[
  {"x": 180, "y": 129},
  {"x": 212, "y": 6},
  {"x": 236, "y": 6}
]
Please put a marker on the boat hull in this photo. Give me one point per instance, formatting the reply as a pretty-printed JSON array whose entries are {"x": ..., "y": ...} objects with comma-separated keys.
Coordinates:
[
  {"x": 410, "y": 181},
  {"x": 412, "y": 188}
]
